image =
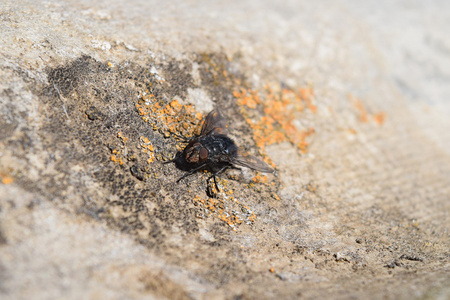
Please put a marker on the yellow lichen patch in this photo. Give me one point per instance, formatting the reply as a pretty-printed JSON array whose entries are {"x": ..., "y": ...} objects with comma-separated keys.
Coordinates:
[
  {"x": 379, "y": 118},
  {"x": 210, "y": 204},
  {"x": 351, "y": 131},
  {"x": 120, "y": 150},
  {"x": 247, "y": 98},
  {"x": 311, "y": 187},
  {"x": 276, "y": 197},
  {"x": 264, "y": 132},
  {"x": 7, "y": 179},
  {"x": 360, "y": 108},
  {"x": 231, "y": 219},
  {"x": 121, "y": 136},
  {"x": 171, "y": 118},
  {"x": 146, "y": 146},
  {"x": 260, "y": 178},
  {"x": 117, "y": 160},
  {"x": 227, "y": 208},
  {"x": 282, "y": 108},
  {"x": 307, "y": 94},
  {"x": 364, "y": 116}
]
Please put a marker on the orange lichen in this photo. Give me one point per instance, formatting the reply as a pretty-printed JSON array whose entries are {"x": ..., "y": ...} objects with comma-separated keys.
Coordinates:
[
  {"x": 259, "y": 178},
  {"x": 379, "y": 118},
  {"x": 121, "y": 136},
  {"x": 312, "y": 187},
  {"x": 307, "y": 95},
  {"x": 171, "y": 118},
  {"x": 116, "y": 159},
  {"x": 120, "y": 151},
  {"x": 281, "y": 107},
  {"x": 251, "y": 215},
  {"x": 247, "y": 98},
  {"x": 362, "y": 111},
  {"x": 227, "y": 209},
  {"x": 7, "y": 179},
  {"x": 231, "y": 219},
  {"x": 146, "y": 147}
]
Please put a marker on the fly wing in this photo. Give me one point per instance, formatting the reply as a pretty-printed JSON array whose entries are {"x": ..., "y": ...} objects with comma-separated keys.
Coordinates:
[
  {"x": 249, "y": 161},
  {"x": 214, "y": 124}
]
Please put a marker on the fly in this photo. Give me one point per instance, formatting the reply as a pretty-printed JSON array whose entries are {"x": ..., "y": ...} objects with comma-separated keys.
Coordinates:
[{"x": 215, "y": 151}]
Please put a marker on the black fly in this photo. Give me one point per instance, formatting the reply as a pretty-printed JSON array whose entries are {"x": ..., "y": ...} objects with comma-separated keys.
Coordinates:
[{"x": 215, "y": 151}]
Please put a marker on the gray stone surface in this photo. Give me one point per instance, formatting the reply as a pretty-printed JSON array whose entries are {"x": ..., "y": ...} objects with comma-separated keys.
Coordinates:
[{"x": 364, "y": 213}]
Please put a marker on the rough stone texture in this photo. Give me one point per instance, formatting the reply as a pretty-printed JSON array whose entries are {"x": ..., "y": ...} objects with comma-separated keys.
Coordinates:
[{"x": 363, "y": 214}]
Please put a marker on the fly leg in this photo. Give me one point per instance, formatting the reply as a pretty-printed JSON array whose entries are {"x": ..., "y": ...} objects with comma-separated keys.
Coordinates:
[
  {"x": 217, "y": 173},
  {"x": 191, "y": 172}
]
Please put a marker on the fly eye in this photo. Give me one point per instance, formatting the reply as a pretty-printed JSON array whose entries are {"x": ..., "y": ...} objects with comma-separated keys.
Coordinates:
[{"x": 203, "y": 153}]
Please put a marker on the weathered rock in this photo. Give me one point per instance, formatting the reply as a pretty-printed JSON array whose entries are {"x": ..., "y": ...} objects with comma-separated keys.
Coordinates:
[{"x": 348, "y": 100}]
